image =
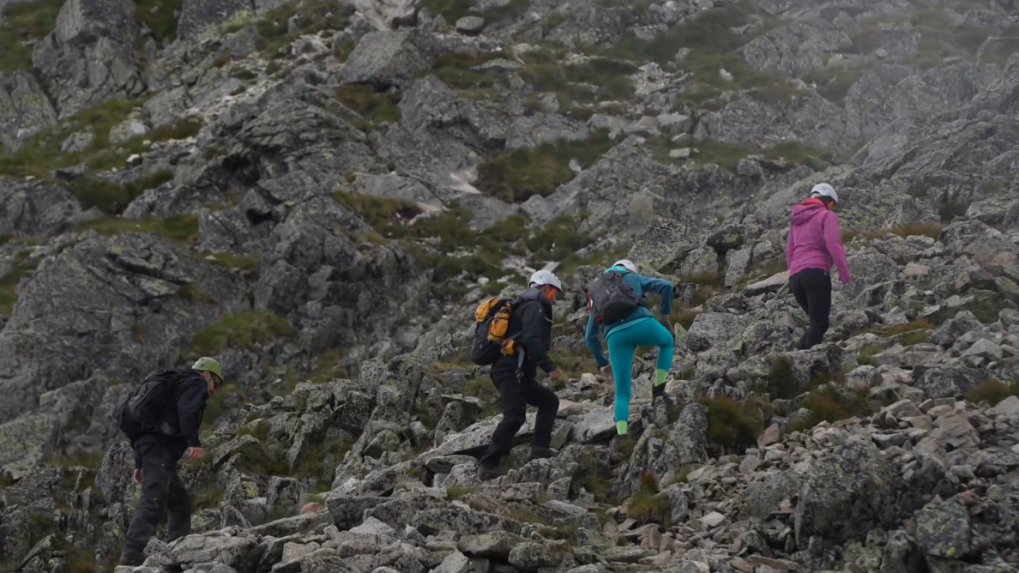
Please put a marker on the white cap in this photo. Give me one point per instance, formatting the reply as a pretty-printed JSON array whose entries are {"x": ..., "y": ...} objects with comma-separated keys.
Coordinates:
[
  {"x": 546, "y": 278},
  {"x": 626, "y": 264},
  {"x": 824, "y": 190}
]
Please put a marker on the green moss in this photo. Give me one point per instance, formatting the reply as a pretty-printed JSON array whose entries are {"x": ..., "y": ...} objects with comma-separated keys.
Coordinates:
[
  {"x": 515, "y": 175},
  {"x": 732, "y": 427},
  {"x": 159, "y": 16},
  {"x": 314, "y": 16},
  {"x": 376, "y": 106},
  {"x": 87, "y": 460},
  {"x": 828, "y": 404},
  {"x": 559, "y": 239},
  {"x": 20, "y": 267},
  {"x": 456, "y": 492},
  {"x": 241, "y": 330},
  {"x": 993, "y": 391},
  {"x": 23, "y": 23},
  {"x": 181, "y": 229}
]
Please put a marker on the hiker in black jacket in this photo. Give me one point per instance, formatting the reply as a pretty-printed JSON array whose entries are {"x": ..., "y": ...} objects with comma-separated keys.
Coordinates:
[
  {"x": 516, "y": 376},
  {"x": 156, "y": 456}
]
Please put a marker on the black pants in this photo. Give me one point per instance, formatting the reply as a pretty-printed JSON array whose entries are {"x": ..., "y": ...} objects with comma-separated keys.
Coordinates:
[
  {"x": 516, "y": 395},
  {"x": 163, "y": 496},
  {"x": 812, "y": 289}
]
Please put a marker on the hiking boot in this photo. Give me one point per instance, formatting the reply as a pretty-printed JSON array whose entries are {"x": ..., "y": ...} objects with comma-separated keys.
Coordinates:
[
  {"x": 658, "y": 394},
  {"x": 486, "y": 473},
  {"x": 542, "y": 452}
]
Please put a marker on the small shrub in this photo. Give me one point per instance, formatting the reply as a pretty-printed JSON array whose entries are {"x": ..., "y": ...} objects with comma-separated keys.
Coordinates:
[
  {"x": 159, "y": 16},
  {"x": 827, "y": 404},
  {"x": 389, "y": 217},
  {"x": 515, "y": 175},
  {"x": 993, "y": 391},
  {"x": 242, "y": 330},
  {"x": 782, "y": 384},
  {"x": 593, "y": 476},
  {"x": 377, "y": 107},
  {"x": 456, "y": 492},
  {"x": 685, "y": 317},
  {"x": 209, "y": 496},
  {"x": 24, "y": 22},
  {"x": 645, "y": 507},
  {"x": 731, "y": 426},
  {"x": 558, "y": 239}
]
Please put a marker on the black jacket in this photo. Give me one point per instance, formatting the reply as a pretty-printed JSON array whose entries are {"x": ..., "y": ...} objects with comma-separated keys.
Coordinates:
[
  {"x": 185, "y": 407},
  {"x": 531, "y": 323}
]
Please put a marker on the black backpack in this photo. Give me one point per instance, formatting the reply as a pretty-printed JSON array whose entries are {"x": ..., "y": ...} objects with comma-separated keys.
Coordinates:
[
  {"x": 142, "y": 411},
  {"x": 610, "y": 299}
]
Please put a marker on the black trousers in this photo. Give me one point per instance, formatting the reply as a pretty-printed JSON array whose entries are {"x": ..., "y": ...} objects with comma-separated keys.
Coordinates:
[
  {"x": 812, "y": 289},
  {"x": 163, "y": 496},
  {"x": 516, "y": 394}
]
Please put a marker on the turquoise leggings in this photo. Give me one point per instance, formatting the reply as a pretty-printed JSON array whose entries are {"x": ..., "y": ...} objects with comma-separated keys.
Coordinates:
[{"x": 622, "y": 345}]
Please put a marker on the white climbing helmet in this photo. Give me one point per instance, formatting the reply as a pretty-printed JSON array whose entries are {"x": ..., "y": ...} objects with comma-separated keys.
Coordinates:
[
  {"x": 626, "y": 264},
  {"x": 824, "y": 190},
  {"x": 546, "y": 278}
]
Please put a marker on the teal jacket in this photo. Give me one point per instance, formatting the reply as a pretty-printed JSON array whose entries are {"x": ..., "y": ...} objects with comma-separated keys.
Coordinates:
[{"x": 640, "y": 285}]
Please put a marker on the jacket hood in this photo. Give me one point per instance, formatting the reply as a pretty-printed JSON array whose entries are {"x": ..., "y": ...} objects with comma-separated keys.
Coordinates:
[
  {"x": 535, "y": 294},
  {"x": 807, "y": 211}
]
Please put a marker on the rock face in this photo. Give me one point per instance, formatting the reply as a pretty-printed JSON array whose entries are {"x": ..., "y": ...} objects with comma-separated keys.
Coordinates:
[
  {"x": 24, "y": 109},
  {"x": 89, "y": 57},
  {"x": 319, "y": 194}
]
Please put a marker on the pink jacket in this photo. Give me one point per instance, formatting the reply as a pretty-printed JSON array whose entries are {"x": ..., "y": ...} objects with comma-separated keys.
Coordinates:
[{"x": 815, "y": 240}]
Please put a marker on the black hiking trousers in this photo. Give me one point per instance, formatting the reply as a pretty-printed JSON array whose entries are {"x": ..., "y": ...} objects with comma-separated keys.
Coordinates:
[
  {"x": 163, "y": 497},
  {"x": 812, "y": 289},
  {"x": 517, "y": 393}
]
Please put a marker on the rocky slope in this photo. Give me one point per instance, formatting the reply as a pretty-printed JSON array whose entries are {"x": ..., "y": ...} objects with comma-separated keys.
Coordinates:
[{"x": 318, "y": 193}]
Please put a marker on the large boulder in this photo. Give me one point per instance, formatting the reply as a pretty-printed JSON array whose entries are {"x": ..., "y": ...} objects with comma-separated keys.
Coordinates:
[
  {"x": 24, "y": 108},
  {"x": 32, "y": 208},
  {"x": 90, "y": 57},
  {"x": 849, "y": 492},
  {"x": 386, "y": 59}
]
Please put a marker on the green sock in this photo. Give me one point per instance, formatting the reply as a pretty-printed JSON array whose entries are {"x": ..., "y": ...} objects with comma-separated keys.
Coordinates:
[
  {"x": 660, "y": 376},
  {"x": 621, "y": 428}
]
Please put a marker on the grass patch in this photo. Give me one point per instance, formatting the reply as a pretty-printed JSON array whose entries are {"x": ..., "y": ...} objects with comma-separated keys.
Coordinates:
[
  {"x": 515, "y": 175},
  {"x": 732, "y": 427},
  {"x": 932, "y": 230},
  {"x": 645, "y": 506},
  {"x": 375, "y": 106},
  {"x": 20, "y": 267},
  {"x": 247, "y": 264},
  {"x": 559, "y": 239},
  {"x": 992, "y": 391},
  {"x": 318, "y": 459},
  {"x": 209, "y": 496},
  {"x": 23, "y": 23},
  {"x": 221, "y": 402},
  {"x": 684, "y": 317},
  {"x": 593, "y": 476},
  {"x": 834, "y": 84},
  {"x": 827, "y": 404},
  {"x": 456, "y": 492},
  {"x": 159, "y": 16},
  {"x": 180, "y": 229},
  {"x": 920, "y": 325},
  {"x": 315, "y": 16},
  {"x": 242, "y": 330}
]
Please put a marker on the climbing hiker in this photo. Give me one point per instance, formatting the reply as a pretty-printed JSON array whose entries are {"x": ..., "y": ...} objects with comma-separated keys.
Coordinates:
[
  {"x": 814, "y": 242},
  {"x": 618, "y": 307},
  {"x": 162, "y": 417},
  {"x": 514, "y": 373}
]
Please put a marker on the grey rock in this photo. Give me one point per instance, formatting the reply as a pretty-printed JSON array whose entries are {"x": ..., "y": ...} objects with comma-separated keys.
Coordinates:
[
  {"x": 470, "y": 24},
  {"x": 455, "y": 562},
  {"x": 388, "y": 14},
  {"x": 944, "y": 530},
  {"x": 32, "y": 208},
  {"x": 713, "y": 330},
  {"x": 849, "y": 492},
  {"x": 531, "y": 556},
  {"x": 385, "y": 59},
  {"x": 90, "y": 58},
  {"x": 494, "y": 545},
  {"x": 24, "y": 109}
]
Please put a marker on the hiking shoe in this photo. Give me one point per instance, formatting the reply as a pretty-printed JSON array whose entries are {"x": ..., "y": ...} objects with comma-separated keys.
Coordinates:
[
  {"x": 542, "y": 452},
  {"x": 486, "y": 473}
]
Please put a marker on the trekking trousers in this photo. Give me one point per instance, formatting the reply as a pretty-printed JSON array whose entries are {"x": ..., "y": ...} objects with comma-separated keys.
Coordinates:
[
  {"x": 812, "y": 289},
  {"x": 163, "y": 496},
  {"x": 516, "y": 394},
  {"x": 623, "y": 344}
]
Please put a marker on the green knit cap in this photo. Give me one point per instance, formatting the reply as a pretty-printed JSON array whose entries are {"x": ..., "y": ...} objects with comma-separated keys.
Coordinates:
[{"x": 206, "y": 364}]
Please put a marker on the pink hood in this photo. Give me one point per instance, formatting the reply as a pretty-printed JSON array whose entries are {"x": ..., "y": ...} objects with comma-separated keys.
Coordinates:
[{"x": 815, "y": 241}]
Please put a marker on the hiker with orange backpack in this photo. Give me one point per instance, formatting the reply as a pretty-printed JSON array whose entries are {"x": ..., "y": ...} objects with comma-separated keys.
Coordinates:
[
  {"x": 617, "y": 304},
  {"x": 514, "y": 337}
]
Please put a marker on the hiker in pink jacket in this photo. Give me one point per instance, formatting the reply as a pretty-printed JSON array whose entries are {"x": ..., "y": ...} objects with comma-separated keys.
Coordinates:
[{"x": 814, "y": 242}]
